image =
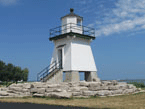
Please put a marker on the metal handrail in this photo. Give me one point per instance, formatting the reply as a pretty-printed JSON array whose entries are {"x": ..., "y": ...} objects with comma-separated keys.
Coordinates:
[
  {"x": 49, "y": 69},
  {"x": 84, "y": 29}
]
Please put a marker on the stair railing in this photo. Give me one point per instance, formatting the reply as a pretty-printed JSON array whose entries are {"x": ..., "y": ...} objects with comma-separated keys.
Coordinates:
[{"x": 48, "y": 70}]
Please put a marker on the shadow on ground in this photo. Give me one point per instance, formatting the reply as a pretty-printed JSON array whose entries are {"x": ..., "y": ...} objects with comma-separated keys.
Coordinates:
[{"x": 36, "y": 106}]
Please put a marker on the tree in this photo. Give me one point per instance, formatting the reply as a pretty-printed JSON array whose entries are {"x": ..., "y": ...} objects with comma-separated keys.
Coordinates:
[
  {"x": 2, "y": 70},
  {"x": 10, "y": 72},
  {"x": 25, "y": 74},
  {"x": 10, "y": 68},
  {"x": 17, "y": 74}
]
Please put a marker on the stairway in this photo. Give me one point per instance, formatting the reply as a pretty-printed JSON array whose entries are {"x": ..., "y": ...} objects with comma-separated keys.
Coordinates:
[{"x": 50, "y": 72}]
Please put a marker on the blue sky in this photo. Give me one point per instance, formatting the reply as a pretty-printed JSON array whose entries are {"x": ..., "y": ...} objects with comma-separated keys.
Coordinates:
[{"x": 119, "y": 48}]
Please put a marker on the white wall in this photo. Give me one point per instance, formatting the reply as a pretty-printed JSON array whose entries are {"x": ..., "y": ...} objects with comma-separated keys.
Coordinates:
[
  {"x": 73, "y": 20},
  {"x": 82, "y": 57},
  {"x": 77, "y": 54},
  {"x": 66, "y": 52}
]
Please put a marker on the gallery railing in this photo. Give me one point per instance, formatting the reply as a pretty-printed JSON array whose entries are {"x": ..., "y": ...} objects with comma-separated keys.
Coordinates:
[{"x": 71, "y": 27}]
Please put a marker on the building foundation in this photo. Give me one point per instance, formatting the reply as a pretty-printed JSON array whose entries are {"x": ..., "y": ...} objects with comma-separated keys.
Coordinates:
[
  {"x": 91, "y": 76},
  {"x": 72, "y": 76}
]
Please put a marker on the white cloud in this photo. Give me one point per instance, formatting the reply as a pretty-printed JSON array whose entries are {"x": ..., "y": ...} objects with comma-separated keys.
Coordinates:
[
  {"x": 126, "y": 15},
  {"x": 8, "y": 2}
]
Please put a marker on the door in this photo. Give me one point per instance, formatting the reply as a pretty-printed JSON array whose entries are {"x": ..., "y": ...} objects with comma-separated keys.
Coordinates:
[{"x": 60, "y": 58}]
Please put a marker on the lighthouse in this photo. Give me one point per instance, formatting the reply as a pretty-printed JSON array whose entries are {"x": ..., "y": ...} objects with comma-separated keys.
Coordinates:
[{"x": 72, "y": 52}]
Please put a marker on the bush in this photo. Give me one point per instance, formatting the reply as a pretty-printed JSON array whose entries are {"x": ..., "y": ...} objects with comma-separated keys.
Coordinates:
[{"x": 138, "y": 84}]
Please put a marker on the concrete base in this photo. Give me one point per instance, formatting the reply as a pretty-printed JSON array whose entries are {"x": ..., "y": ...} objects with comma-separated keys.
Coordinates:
[
  {"x": 72, "y": 76},
  {"x": 91, "y": 76},
  {"x": 57, "y": 77}
]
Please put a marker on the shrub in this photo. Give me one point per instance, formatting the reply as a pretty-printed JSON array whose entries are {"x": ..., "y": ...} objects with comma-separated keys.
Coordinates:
[{"x": 138, "y": 84}]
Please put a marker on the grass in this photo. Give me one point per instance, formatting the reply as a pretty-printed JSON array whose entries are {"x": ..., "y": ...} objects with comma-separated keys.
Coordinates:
[{"x": 135, "y": 101}]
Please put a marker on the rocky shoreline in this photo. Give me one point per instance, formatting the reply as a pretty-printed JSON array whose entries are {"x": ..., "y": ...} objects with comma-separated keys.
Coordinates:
[{"x": 68, "y": 90}]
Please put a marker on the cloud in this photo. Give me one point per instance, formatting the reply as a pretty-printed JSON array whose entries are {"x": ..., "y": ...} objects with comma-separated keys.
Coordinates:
[
  {"x": 118, "y": 16},
  {"x": 8, "y": 2}
]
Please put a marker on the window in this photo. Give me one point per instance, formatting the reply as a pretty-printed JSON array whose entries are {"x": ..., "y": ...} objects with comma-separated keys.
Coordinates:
[{"x": 78, "y": 22}]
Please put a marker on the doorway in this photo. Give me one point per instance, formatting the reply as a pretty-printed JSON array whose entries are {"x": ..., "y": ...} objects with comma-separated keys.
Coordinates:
[{"x": 60, "y": 58}]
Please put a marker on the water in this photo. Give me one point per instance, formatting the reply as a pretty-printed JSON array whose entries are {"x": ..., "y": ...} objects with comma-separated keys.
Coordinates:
[{"x": 135, "y": 80}]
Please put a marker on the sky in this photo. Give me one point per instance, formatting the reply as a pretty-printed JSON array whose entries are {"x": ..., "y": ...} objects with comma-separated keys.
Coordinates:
[{"x": 119, "y": 47}]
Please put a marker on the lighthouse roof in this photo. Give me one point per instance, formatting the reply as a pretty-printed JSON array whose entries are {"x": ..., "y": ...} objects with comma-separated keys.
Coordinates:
[{"x": 72, "y": 14}]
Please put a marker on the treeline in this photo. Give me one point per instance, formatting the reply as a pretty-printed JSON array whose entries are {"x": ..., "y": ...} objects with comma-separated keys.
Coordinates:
[{"x": 13, "y": 73}]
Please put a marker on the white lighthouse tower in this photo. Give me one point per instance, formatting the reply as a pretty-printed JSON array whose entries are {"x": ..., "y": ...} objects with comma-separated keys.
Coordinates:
[{"x": 72, "y": 51}]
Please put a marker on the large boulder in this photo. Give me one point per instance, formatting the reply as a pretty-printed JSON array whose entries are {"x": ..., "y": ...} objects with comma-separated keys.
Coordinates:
[
  {"x": 107, "y": 83},
  {"x": 76, "y": 93},
  {"x": 94, "y": 84},
  {"x": 119, "y": 91},
  {"x": 77, "y": 89},
  {"x": 19, "y": 89},
  {"x": 61, "y": 95},
  {"x": 41, "y": 90},
  {"x": 89, "y": 93},
  {"x": 25, "y": 90},
  {"x": 103, "y": 93},
  {"x": 84, "y": 83},
  {"x": 3, "y": 93},
  {"x": 114, "y": 82},
  {"x": 28, "y": 86},
  {"x": 38, "y": 95},
  {"x": 52, "y": 85},
  {"x": 95, "y": 88},
  {"x": 33, "y": 90},
  {"x": 128, "y": 91},
  {"x": 113, "y": 87}
]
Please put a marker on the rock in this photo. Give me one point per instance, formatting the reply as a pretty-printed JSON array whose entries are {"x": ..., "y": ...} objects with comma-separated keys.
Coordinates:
[
  {"x": 25, "y": 90},
  {"x": 48, "y": 94},
  {"x": 19, "y": 85},
  {"x": 27, "y": 93},
  {"x": 106, "y": 83},
  {"x": 19, "y": 89},
  {"x": 104, "y": 88},
  {"x": 3, "y": 93},
  {"x": 78, "y": 89},
  {"x": 41, "y": 90},
  {"x": 113, "y": 87},
  {"x": 84, "y": 83},
  {"x": 117, "y": 91},
  {"x": 76, "y": 93},
  {"x": 139, "y": 89},
  {"x": 38, "y": 95},
  {"x": 10, "y": 91},
  {"x": 52, "y": 85},
  {"x": 122, "y": 86},
  {"x": 114, "y": 82},
  {"x": 57, "y": 90},
  {"x": 37, "y": 85},
  {"x": 131, "y": 86},
  {"x": 94, "y": 84},
  {"x": 4, "y": 89},
  {"x": 103, "y": 93},
  {"x": 122, "y": 83},
  {"x": 96, "y": 79},
  {"x": 33, "y": 90},
  {"x": 95, "y": 88},
  {"x": 75, "y": 89},
  {"x": 128, "y": 91},
  {"x": 83, "y": 88},
  {"x": 50, "y": 89},
  {"x": 61, "y": 95},
  {"x": 28, "y": 86},
  {"x": 89, "y": 93},
  {"x": 73, "y": 84}
]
